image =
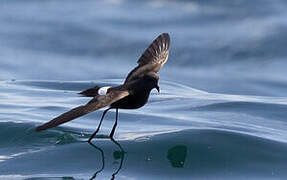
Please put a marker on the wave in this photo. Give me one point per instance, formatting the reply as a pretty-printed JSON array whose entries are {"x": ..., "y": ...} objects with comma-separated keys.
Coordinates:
[
  {"x": 182, "y": 132},
  {"x": 176, "y": 107},
  {"x": 205, "y": 153}
]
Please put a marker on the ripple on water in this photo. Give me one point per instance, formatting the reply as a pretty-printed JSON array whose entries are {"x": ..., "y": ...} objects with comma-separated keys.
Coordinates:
[{"x": 182, "y": 132}]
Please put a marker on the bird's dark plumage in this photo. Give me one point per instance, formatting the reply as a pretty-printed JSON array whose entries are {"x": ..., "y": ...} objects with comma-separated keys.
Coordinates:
[
  {"x": 91, "y": 92},
  {"x": 133, "y": 94},
  {"x": 154, "y": 57},
  {"x": 95, "y": 104}
]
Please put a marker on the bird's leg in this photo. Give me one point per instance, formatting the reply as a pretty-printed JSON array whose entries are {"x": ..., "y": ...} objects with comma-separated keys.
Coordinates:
[
  {"x": 118, "y": 144},
  {"x": 94, "y": 134},
  {"x": 115, "y": 125}
]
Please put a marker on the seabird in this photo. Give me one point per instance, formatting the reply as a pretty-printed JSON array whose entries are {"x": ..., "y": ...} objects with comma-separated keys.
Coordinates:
[{"x": 132, "y": 94}]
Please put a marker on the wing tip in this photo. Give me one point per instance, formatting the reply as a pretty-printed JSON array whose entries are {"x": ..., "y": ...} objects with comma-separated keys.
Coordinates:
[
  {"x": 164, "y": 38},
  {"x": 40, "y": 128},
  {"x": 159, "y": 45}
]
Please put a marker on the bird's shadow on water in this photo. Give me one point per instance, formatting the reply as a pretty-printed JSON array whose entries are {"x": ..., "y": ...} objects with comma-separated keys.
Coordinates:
[{"x": 117, "y": 154}]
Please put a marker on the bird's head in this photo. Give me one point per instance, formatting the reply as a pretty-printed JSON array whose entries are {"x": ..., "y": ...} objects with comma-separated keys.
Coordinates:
[{"x": 151, "y": 81}]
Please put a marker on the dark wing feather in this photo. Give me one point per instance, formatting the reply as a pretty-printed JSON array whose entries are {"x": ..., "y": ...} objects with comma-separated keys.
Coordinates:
[
  {"x": 95, "y": 104},
  {"x": 154, "y": 57}
]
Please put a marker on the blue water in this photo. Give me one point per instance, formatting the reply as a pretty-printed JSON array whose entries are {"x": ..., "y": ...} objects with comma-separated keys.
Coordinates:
[{"x": 221, "y": 113}]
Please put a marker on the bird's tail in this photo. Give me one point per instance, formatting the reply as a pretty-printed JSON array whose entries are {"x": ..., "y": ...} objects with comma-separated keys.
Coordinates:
[
  {"x": 65, "y": 117},
  {"x": 91, "y": 92}
]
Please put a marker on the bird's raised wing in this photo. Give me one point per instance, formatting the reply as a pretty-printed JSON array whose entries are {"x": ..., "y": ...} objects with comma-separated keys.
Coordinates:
[
  {"x": 95, "y": 104},
  {"x": 152, "y": 59}
]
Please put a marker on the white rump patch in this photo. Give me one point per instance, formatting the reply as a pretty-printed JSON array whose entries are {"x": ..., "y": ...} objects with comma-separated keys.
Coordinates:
[{"x": 103, "y": 90}]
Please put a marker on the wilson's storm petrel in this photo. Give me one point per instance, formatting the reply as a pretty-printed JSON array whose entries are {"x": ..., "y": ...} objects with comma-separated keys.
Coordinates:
[{"x": 133, "y": 94}]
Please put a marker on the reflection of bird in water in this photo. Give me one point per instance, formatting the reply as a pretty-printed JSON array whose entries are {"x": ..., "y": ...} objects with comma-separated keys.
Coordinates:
[
  {"x": 177, "y": 155},
  {"x": 121, "y": 154},
  {"x": 103, "y": 161},
  {"x": 117, "y": 154},
  {"x": 133, "y": 94}
]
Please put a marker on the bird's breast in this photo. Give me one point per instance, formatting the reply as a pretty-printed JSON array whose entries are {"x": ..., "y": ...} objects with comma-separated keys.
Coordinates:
[{"x": 133, "y": 101}]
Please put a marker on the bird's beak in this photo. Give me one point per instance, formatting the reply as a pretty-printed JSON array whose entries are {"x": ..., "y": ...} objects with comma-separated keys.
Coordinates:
[{"x": 157, "y": 88}]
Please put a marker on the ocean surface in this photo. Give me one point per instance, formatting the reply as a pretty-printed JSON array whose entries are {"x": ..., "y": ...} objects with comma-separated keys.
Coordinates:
[{"x": 221, "y": 112}]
